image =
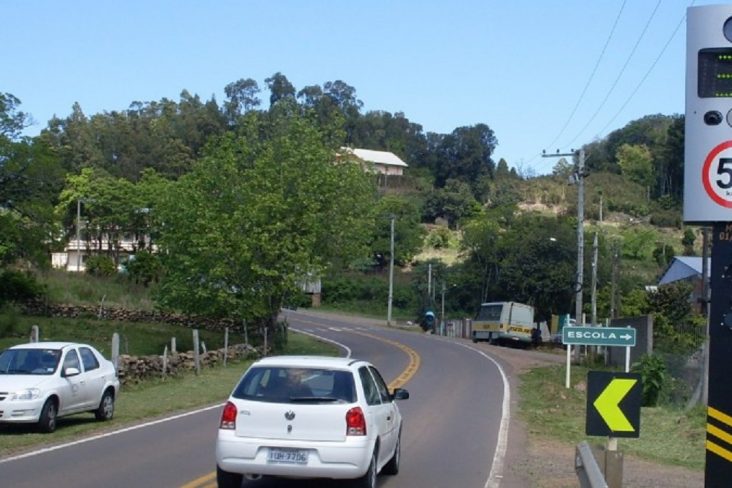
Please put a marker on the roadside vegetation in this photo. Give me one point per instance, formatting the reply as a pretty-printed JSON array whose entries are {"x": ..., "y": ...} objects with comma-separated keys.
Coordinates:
[{"x": 668, "y": 434}]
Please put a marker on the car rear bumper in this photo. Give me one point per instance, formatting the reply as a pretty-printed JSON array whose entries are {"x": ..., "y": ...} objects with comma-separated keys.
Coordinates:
[{"x": 337, "y": 460}]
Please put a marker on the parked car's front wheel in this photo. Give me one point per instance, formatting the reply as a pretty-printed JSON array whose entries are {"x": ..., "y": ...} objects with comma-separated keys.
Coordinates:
[
  {"x": 224, "y": 479},
  {"x": 105, "y": 410},
  {"x": 47, "y": 420}
]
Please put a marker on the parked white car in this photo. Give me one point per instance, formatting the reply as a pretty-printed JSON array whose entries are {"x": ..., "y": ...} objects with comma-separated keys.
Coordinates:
[
  {"x": 42, "y": 381},
  {"x": 310, "y": 417}
]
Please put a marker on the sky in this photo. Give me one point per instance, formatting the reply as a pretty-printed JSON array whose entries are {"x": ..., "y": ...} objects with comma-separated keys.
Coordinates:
[{"x": 542, "y": 74}]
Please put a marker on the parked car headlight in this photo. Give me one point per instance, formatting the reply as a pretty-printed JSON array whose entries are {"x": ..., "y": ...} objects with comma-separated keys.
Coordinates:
[{"x": 27, "y": 394}]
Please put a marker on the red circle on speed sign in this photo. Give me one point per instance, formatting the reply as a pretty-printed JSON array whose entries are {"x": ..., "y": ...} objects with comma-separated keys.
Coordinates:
[{"x": 721, "y": 190}]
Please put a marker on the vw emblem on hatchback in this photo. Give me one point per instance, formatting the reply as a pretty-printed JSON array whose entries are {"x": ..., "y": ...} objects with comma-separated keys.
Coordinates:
[{"x": 289, "y": 415}]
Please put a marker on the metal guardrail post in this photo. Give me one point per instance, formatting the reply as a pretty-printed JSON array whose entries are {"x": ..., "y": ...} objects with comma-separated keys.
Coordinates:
[{"x": 588, "y": 471}]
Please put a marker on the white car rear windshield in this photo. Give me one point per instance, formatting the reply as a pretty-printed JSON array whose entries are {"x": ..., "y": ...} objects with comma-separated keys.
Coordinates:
[{"x": 296, "y": 385}]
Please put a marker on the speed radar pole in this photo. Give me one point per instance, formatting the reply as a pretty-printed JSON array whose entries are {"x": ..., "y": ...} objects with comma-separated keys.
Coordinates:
[{"x": 708, "y": 201}]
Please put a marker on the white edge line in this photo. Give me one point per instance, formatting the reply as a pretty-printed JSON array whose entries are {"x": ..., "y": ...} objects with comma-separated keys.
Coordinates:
[
  {"x": 496, "y": 473},
  {"x": 146, "y": 424},
  {"x": 107, "y": 434},
  {"x": 325, "y": 339}
]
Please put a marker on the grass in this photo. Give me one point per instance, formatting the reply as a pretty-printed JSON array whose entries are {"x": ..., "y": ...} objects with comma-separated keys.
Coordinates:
[
  {"x": 136, "y": 338},
  {"x": 153, "y": 399},
  {"x": 667, "y": 436},
  {"x": 82, "y": 288}
]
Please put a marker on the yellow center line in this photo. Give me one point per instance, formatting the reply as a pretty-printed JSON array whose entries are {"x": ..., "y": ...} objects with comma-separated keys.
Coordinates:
[
  {"x": 209, "y": 481},
  {"x": 202, "y": 482}
]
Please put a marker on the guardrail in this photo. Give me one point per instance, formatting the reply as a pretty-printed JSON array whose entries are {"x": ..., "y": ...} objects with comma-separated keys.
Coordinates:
[{"x": 588, "y": 471}]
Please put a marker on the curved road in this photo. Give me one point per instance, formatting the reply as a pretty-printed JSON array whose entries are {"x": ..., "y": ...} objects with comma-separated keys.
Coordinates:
[{"x": 455, "y": 431}]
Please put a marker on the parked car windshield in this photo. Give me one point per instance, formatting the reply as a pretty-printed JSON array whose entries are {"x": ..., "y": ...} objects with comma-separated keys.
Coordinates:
[
  {"x": 293, "y": 385},
  {"x": 29, "y": 361}
]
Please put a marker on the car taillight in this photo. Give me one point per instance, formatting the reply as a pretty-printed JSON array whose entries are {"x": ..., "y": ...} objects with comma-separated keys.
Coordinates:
[
  {"x": 228, "y": 417},
  {"x": 355, "y": 422}
]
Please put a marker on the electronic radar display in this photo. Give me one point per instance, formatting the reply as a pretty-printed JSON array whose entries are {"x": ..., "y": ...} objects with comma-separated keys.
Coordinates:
[{"x": 708, "y": 116}]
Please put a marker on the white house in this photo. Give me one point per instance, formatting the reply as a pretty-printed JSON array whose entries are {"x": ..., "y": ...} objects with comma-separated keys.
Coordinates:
[{"x": 385, "y": 162}]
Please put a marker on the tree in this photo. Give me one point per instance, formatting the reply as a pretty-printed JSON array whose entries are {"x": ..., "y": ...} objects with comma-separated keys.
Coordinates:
[
  {"x": 280, "y": 88},
  {"x": 242, "y": 97},
  {"x": 408, "y": 233},
  {"x": 255, "y": 217},
  {"x": 29, "y": 179},
  {"x": 636, "y": 164}
]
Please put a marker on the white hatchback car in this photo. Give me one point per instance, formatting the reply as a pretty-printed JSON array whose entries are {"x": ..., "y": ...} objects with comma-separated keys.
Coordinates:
[
  {"x": 310, "y": 417},
  {"x": 42, "y": 381}
]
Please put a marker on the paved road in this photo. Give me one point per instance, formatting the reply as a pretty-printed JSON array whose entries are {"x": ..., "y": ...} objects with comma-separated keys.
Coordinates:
[{"x": 452, "y": 436}]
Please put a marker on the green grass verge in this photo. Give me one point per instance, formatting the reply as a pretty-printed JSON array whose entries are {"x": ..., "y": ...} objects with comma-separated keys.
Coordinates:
[
  {"x": 667, "y": 436},
  {"x": 152, "y": 399},
  {"x": 136, "y": 338}
]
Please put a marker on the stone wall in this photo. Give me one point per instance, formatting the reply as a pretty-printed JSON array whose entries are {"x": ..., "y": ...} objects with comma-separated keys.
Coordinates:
[
  {"x": 88, "y": 311},
  {"x": 134, "y": 369}
]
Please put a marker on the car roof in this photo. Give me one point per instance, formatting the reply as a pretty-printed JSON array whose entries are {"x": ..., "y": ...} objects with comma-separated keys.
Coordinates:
[
  {"x": 46, "y": 345},
  {"x": 309, "y": 361}
]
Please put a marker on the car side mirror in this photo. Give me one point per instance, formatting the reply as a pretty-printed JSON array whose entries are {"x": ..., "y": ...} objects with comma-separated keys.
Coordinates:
[
  {"x": 400, "y": 394},
  {"x": 71, "y": 372}
]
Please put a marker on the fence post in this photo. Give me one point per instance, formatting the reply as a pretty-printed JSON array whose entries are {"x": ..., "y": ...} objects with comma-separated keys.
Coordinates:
[
  {"x": 115, "y": 351},
  {"x": 226, "y": 344},
  {"x": 35, "y": 333},
  {"x": 165, "y": 361},
  {"x": 196, "y": 356}
]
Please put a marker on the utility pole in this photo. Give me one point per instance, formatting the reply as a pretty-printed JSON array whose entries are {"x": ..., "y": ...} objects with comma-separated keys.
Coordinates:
[
  {"x": 78, "y": 235},
  {"x": 594, "y": 281},
  {"x": 391, "y": 272},
  {"x": 579, "y": 178}
]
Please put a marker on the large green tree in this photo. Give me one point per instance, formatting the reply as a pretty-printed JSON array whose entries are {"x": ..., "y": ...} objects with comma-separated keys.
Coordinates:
[{"x": 256, "y": 216}]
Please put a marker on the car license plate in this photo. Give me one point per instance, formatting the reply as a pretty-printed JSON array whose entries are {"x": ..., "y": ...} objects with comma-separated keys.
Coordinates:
[{"x": 281, "y": 455}]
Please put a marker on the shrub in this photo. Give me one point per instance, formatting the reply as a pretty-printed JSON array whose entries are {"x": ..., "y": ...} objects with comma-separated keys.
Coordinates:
[
  {"x": 100, "y": 266},
  {"x": 16, "y": 286},
  {"x": 144, "y": 267},
  {"x": 653, "y": 375},
  {"x": 439, "y": 238}
]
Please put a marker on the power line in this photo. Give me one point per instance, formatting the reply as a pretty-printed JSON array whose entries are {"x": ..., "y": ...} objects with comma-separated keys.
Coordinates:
[
  {"x": 653, "y": 65},
  {"x": 622, "y": 70},
  {"x": 592, "y": 76}
]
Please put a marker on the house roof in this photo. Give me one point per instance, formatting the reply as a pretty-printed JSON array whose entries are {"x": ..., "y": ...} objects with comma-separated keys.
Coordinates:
[
  {"x": 377, "y": 157},
  {"x": 683, "y": 267}
]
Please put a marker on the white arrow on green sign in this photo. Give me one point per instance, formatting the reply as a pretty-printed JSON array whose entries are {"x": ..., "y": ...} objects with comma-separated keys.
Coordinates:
[{"x": 599, "y": 336}]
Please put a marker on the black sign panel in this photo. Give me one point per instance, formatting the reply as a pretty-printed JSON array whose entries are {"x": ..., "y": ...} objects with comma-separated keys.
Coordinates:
[
  {"x": 718, "y": 469},
  {"x": 613, "y": 404}
]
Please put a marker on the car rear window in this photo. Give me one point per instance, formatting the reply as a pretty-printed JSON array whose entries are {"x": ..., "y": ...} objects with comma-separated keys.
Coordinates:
[{"x": 296, "y": 385}]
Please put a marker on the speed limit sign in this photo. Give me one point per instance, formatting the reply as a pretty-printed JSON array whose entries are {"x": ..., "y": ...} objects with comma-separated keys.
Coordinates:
[
  {"x": 717, "y": 174},
  {"x": 708, "y": 117}
]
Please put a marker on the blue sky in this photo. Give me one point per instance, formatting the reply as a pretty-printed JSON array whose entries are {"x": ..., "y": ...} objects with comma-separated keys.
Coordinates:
[{"x": 519, "y": 66}]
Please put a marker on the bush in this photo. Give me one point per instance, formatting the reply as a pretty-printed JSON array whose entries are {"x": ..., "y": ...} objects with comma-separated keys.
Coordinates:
[
  {"x": 16, "y": 286},
  {"x": 144, "y": 267},
  {"x": 439, "y": 238},
  {"x": 653, "y": 375},
  {"x": 666, "y": 218},
  {"x": 100, "y": 266}
]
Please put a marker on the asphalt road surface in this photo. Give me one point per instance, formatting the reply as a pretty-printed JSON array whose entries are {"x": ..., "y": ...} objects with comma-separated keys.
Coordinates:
[{"x": 455, "y": 423}]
